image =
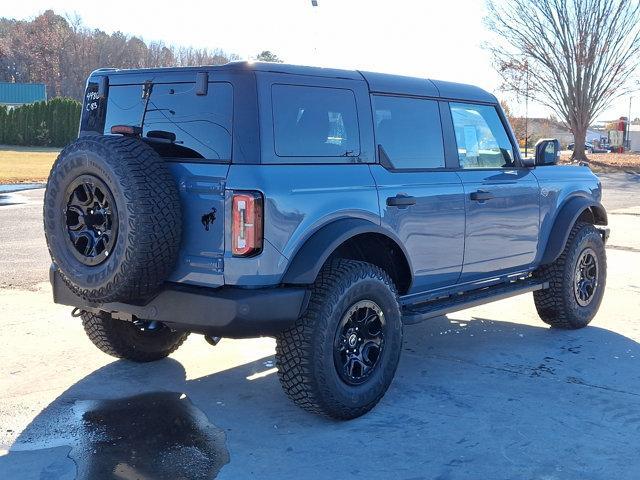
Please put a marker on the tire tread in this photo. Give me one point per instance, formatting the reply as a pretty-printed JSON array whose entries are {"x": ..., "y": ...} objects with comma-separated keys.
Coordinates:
[
  {"x": 305, "y": 385},
  {"x": 550, "y": 303},
  {"x": 108, "y": 335},
  {"x": 153, "y": 212}
]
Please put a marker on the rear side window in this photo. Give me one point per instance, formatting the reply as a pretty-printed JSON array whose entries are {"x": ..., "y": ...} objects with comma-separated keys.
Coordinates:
[
  {"x": 481, "y": 137},
  {"x": 314, "y": 122},
  {"x": 177, "y": 122},
  {"x": 409, "y": 131}
]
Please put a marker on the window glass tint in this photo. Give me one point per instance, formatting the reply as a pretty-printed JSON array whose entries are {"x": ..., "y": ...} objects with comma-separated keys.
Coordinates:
[
  {"x": 178, "y": 123},
  {"x": 409, "y": 131},
  {"x": 93, "y": 109},
  {"x": 124, "y": 106},
  {"x": 481, "y": 137},
  {"x": 314, "y": 122}
]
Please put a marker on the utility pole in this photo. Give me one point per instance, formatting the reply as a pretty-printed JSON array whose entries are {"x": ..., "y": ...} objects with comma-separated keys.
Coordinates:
[
  {"x": 316, "y": 32},
  {"x": 526, "y": 109},
  {"x": 628, "y": 140}
]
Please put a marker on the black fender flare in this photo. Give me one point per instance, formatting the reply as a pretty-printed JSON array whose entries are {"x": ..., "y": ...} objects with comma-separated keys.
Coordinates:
[
  {"x": 564, "y": 221},
  {"x": 305, "y": 265}
]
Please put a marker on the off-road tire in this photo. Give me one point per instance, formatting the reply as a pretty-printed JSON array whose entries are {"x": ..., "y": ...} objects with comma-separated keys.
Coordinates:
[
  {"x": 148, "y": 218},
  {"x": 557, "y": 305},
  {"x": 304, "y": 353},
  {"x": 123, "y": 339}
]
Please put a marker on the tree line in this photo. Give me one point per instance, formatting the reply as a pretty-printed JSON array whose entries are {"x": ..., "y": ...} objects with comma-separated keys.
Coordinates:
[
  {"x": 61, "y": 52},
  {"x": 48, "y": 124}
]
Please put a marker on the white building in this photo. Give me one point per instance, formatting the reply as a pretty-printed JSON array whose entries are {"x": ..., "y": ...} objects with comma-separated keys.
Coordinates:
[{"x": 634, "y": 138}]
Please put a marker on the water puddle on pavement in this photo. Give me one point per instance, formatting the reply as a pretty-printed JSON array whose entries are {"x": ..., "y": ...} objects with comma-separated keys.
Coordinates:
[{"x": 158, "y": 435}]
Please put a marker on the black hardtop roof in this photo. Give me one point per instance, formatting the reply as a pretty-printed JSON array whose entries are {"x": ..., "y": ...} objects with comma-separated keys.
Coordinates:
[{"x": 378, "y": 82}]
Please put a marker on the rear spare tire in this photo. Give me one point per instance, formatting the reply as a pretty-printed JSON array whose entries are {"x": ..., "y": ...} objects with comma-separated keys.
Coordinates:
[{"x": 112, "y": 218}]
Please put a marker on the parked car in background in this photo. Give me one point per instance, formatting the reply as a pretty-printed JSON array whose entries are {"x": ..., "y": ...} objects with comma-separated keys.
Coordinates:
[{"x": 592, "y": 148}]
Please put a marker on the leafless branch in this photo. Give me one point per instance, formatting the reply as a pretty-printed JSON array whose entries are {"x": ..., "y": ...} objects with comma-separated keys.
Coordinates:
[{"x": 579, "y": 55}]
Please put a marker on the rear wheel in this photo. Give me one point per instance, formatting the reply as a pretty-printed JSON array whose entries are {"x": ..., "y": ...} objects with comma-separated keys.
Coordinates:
[
  {"x": 139, "y": 340},
  {"x": 576, "y": 280},
  {"x": 340, "y": 357}
]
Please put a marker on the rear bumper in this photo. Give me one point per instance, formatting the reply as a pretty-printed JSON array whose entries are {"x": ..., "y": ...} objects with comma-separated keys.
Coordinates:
[{"x": 225, "y": 312}]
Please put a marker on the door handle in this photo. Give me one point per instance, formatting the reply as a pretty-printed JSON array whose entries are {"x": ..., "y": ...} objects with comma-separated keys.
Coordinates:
[
  {"x": 401, "y": 201},
  {"x": 481, "y": 196}
]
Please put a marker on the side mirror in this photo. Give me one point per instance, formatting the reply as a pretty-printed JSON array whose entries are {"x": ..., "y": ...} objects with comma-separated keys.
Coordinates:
[{"x": 547, "y": 151}]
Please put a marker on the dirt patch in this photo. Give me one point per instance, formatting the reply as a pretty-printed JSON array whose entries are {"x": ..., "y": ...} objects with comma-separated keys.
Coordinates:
[{"x": 609, "y": 162}]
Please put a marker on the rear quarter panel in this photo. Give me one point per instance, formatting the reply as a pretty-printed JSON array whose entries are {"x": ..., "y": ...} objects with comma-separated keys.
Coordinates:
[
  {"x": 298, "y": 201},
  {"x": 559, "y": 183}
]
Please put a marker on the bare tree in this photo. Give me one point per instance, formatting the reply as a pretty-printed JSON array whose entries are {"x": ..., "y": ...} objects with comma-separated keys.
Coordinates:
[
  {"x": 517, "y": 123},
  {"x": 579, "y": 54}
]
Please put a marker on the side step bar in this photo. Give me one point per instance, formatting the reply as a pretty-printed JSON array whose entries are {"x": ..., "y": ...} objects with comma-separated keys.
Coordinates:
[{"x": 417, "y": 313}]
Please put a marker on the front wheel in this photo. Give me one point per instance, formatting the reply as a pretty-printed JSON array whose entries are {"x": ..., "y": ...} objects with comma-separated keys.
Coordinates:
[
  {"x": 576, "y": 280},
  {"x": 341, "y": 356},
  {"x": 138, "y": 341}
]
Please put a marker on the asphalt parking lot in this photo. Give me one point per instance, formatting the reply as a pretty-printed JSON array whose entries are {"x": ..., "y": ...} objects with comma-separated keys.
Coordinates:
[{"x": 486, "y": 393}]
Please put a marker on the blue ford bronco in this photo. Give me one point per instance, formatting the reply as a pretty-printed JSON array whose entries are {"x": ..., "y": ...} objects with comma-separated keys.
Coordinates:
[{"x": 327, "y": 208}]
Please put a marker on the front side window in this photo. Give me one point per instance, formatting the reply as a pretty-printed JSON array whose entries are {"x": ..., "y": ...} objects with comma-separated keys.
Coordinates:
[
  {"x": 482, "y": 140},
  {"x": 409, "y": 131},
  {"x": 314, "y": 122}
]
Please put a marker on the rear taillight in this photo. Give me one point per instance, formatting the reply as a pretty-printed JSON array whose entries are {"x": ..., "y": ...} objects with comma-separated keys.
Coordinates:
[{"x": 246, "y": 224}]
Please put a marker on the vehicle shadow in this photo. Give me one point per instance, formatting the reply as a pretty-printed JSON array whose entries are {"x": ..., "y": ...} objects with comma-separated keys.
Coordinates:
[{"x": 471, "y": 399}]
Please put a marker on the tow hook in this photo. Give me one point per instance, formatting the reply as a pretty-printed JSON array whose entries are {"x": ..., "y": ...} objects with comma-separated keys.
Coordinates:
[
  {"x": 604, "y": 231},
  {"x": 213, "y": 341}
]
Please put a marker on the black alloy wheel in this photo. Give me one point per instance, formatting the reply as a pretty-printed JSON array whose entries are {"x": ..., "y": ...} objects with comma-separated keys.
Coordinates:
[
  {"x": 359, "y": 342},
  {"x": 586, "y": 277},
  {"x": 91, "y": 220}
]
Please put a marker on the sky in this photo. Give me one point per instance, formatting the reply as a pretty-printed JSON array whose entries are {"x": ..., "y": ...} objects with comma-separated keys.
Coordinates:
[{"x": 433, "y": 39}]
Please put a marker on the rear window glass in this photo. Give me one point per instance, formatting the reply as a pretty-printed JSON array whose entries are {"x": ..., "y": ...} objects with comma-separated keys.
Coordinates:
[
  {"x": 124, "y": 106},
  {"x": 177, "y": 122},
  {"x": 315, "y": 122}
]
